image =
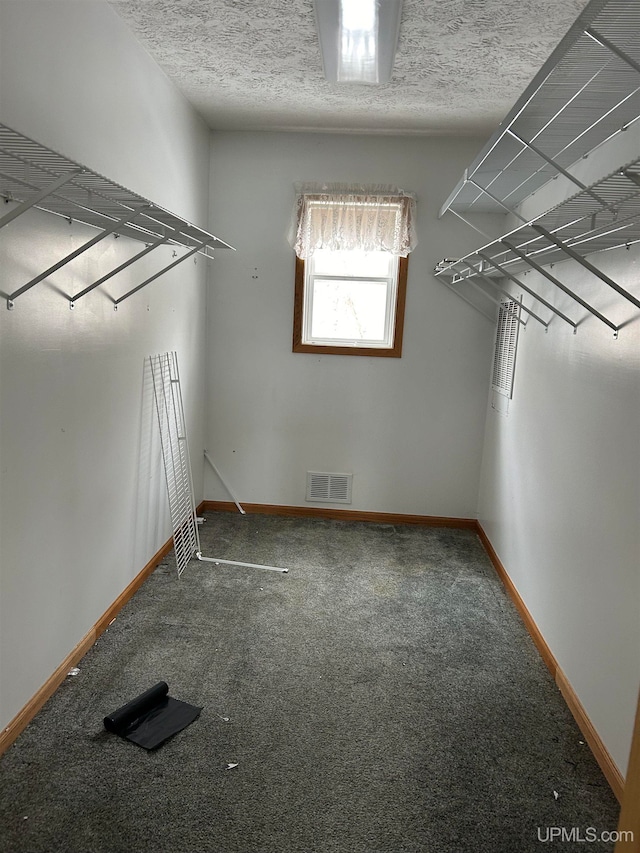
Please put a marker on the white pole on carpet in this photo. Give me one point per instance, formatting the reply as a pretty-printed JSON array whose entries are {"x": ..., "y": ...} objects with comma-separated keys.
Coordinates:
[{"x": 223, "y": 481}]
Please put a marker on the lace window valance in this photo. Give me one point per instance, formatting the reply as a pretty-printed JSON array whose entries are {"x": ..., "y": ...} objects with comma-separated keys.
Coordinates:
[{"x": 340, "y": 217}]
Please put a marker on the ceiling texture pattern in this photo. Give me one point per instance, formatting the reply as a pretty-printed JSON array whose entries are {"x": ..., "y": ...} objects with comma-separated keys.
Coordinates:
[{"x": 256, "y": 64}]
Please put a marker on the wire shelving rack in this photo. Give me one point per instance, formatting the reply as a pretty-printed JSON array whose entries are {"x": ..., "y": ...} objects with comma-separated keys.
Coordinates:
[
  {"x": 586, "y": 93},
  {"x": 34, "y": 176}
]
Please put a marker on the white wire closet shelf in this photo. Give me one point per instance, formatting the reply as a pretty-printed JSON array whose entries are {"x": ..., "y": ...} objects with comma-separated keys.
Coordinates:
[
  {"x": 33, "y": 176},
  {"x": 604, "y": 216},
  {"x": 586, "y": 93}
]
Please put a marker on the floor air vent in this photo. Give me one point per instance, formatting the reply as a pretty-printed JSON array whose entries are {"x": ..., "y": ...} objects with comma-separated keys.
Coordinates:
[{"x": 329, "y": 488}]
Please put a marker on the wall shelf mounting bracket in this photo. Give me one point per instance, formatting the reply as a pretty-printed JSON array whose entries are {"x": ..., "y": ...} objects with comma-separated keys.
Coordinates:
[
  {"x": 123, "y": 220},
  {"x": 544, "y": 272},
  {"x": 529, "y": 290},
  {"x": 506, "y": 293},
  {"x": 159, "y": 242},
  {"x": 147, "y": 281},
  {"x": 586, "y": 264}
]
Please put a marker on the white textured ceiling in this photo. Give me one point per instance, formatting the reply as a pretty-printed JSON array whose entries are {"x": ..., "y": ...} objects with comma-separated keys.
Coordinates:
[{"x": 255, "y": 64}]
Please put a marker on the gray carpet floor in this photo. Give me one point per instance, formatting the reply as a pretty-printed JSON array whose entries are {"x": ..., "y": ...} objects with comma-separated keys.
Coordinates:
[{"x": 383, "y": 697}]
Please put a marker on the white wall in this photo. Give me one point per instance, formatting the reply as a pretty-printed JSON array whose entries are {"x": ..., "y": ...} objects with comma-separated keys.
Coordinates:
[
  {"x": 82, "y": 501},
  {"x": 409, "y": 429},
  {"x": 560, "y": 491}
]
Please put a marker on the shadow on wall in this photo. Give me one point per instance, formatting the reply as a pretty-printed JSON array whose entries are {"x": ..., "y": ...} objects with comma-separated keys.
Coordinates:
[{"x": 152, "y": 523}]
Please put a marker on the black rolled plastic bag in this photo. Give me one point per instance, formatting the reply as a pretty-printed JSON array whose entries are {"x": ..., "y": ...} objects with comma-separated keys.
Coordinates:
[{"x": 151, "y": 718}]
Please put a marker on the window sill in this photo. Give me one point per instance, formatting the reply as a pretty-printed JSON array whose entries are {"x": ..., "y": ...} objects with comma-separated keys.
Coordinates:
[{"x": 330, "y": 350}]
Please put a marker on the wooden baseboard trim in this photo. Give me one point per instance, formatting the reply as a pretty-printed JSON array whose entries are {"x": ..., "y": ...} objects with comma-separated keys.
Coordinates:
[
  {"x": 539, "y": 641},
  {"x": 629, "y": 822},
  {"x": 600, "y": 752},
  {"x": 341, "y": 514},
  {"x": 109, "y": 615},
  {"x": 24, "y": 717}
]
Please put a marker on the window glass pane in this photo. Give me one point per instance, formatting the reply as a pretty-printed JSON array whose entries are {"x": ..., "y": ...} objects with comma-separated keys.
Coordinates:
[
  {"x": 349, "y": 310},
  {"x": 352, "y": 263}
]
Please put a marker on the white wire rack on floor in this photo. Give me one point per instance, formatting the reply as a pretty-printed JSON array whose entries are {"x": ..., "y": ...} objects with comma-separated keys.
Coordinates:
[
  {"x": 177, "y": 465},
  {"x": 175, "y": 455}
]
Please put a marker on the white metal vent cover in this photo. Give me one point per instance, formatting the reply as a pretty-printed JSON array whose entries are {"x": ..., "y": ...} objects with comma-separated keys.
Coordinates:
[
  {"x": 504, "y": 359},
  {"x": 324, "y": 487}
]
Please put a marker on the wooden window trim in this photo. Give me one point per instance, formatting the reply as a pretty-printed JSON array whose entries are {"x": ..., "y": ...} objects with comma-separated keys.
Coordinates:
[{"x": 378, "y": 352}]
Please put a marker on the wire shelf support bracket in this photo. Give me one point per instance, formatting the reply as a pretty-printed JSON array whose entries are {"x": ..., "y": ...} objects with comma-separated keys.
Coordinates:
[
  {"x": 147, "y": 281},
  {"x": 508, "y": 295},
  {"x": 159, "y": 242},
  {"x": 517, "y": 281},
  {"x": 129, "y": 217},
  {"x": 460, "y": 295}
]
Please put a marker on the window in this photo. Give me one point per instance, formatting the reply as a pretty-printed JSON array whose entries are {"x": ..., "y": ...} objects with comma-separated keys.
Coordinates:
[
  {"x": 350, "y": 303},
  {"x": 351, "y": 270},
  {"x": 504, "y": 359}
]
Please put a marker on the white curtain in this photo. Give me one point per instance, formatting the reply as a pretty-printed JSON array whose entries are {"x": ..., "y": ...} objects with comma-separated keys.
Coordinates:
[{"x": 338, "y": 217}]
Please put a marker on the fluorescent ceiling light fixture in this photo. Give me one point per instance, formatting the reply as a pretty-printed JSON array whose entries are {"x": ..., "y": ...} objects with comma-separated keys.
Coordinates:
[{"x": 358, "y": 39}]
